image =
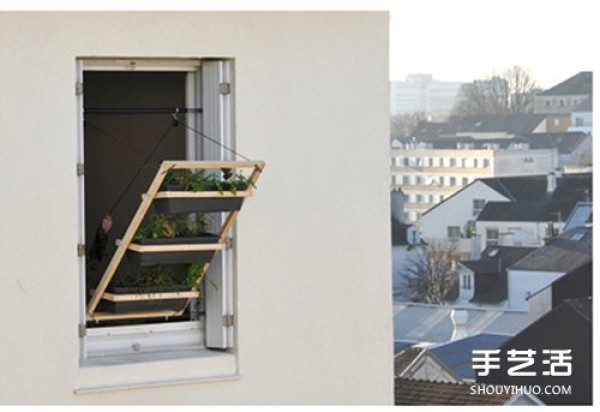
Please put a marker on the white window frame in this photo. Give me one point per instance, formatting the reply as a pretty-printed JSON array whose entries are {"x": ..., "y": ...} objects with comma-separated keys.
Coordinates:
[
  {"x": 492, "y": 241},
  {"x": 453, "y": 228},
  {"x": 477, "y": 210},
  {"x": 218, "y": 124}
]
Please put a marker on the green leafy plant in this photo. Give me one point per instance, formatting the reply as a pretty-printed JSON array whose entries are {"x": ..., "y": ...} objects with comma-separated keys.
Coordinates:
[
  {"x": 163, "y": 226},
  {"x": 158, "y": 278},
  {"x": 147, "y": 279},
  {"x": 199, "y": 181},
  {"x": 194, "y": 274}
]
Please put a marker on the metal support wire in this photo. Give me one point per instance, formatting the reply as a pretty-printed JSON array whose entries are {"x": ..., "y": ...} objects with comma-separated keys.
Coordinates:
[{"x": 140, "y": 110}]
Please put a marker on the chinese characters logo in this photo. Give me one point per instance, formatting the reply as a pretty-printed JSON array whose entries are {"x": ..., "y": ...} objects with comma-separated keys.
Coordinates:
[{"x": 557, "y": 361}]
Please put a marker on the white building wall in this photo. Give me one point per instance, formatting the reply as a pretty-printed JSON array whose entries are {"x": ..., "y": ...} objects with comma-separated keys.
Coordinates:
[
  {"x": 456, "y": 210},
  {"x": 445, "y": 171},
  {"x": 427, "y": 368},
  {"x": 421, "y": 93},
  {"x": 524, "y": 162},
  {"x": 517, "y": 233},
  {"x": 311, "y": 326},
  {"x": 540, "y": 304},
  {"x": 465, "y": 294},
  {"x": 524, "y": 283},
  {"x": 581, "y": 122}
]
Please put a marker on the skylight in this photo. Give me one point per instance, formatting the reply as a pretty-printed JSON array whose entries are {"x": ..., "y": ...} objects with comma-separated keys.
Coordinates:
[{"x": 577, "y": 236}]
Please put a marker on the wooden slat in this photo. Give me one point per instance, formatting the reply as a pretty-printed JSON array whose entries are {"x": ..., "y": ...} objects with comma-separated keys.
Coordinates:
[
  {"x": 147, "y": 199},
  {"x": 194, "y": 164},
  {"x": 129, "y": 233},
  {"x": 187, "y": 194},
  {"x": 230, "y": 220},
  {"x": 150, "y": 296},
  {"x": 100, "y": 316},
  {"x": 184, "y": 247}
]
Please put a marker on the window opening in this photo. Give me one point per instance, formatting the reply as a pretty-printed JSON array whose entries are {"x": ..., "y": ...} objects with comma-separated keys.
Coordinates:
[{"x": 134, "y": 123}]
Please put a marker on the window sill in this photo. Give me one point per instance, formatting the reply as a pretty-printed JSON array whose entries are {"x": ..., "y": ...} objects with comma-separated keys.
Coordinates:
[{"x": 147, "y": 370}]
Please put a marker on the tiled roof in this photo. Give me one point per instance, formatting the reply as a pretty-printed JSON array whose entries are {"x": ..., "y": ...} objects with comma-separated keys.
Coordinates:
[
  {"x": 580, "y": 84},
  {"x": 405, "y": 358},
  {"x": 531, "y": 201},
  {"x": 585, "y": 106},
  {"x": 563, "y": 253},
  {"x": 490, "y": 272},
  {"x": 400, "y": 345},
  {"x": 583, "y": 307},
  {"x": 425, "y": 130},
  {"x": 565, "y": 143},
  {"x": 509, "y": 123},
  {"x": 432, "y": 323},
  {"x": 419, "y": 392},
  {"x": 495, "y": 259},
  {"x": 519, "y": 187},
  {"x": 441, "y": 132},
  {"x": 457, "y": 356}
]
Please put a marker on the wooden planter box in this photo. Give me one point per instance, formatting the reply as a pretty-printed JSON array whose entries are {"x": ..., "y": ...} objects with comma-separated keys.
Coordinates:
[
  {"x": 179, "y": 201},
  {"x": 156, "y": 299},
  {"x": 148, "y": 252},
  {"x": 175, "y": 251}
]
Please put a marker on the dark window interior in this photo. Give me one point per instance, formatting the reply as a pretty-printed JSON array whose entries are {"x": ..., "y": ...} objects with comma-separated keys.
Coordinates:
[{"x": 117, "y": 145}]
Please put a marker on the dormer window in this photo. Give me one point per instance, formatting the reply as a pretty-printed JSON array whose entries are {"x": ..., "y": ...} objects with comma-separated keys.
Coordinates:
[{"x": 493, "y": 252}]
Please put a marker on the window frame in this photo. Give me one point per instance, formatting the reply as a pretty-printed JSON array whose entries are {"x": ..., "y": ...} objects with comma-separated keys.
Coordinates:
[
  {"x": 492, "y": 241},
  {"x": 477, "y": 210},
  {"x": 451, "y": 229},
  {"x": 94, "y": 342}
]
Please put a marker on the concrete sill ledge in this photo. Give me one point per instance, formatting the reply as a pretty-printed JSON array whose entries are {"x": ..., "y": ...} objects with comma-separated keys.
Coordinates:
[{"x": 147, "y": 370}]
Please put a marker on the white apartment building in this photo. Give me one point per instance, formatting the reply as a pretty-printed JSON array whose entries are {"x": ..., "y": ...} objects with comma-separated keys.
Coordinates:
[
  {"x": 421, "y": 93},
  {"x": 427, "y": 176}
]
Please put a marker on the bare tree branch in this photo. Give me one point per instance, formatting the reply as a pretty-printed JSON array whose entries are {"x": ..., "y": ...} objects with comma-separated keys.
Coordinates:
[
  {"x": 510, "y": 92},
  {"x": 429, "y": 276},
  {"x": 402, "y": 125}
]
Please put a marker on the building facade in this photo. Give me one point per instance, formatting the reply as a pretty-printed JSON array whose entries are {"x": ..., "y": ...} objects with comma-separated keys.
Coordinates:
[
  {"x": 421, "y": 93},
  {"x": 291, "y": 339},
  {"x": 561, "y": 100},
  {"x": 428, "y": 176}
]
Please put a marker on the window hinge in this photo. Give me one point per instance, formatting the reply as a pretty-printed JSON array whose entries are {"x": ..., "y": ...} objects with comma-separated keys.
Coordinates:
[
  {"x": 81, "y": 331},
  {"x": 80, "y": 249},
  {"x": 225, "y": 88},
  {"x": 80, "y": 169},
  {"x": 228, "y": 243},
  {"x": 78, "y": 89},
  {"x": 228, "y": 321}
]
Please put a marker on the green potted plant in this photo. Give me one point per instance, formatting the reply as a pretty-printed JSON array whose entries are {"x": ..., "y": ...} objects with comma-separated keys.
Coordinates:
[
  {"x": 172, "y": 230},
  {"x": 154, "y": 282},
  {"x": 223, "y": 191}
]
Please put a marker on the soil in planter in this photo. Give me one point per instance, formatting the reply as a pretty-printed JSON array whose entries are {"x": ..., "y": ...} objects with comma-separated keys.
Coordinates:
[
  {"x": 144, "y": 305},
  {"x": 164, "y": 258}
]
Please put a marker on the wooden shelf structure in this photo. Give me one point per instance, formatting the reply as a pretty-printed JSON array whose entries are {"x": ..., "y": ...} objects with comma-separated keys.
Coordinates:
[{"x": 125, "y": 244}]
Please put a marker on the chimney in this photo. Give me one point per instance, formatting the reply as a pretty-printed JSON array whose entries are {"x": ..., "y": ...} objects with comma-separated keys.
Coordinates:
[
  {"x": 459, "y": 322},
  {"x": 476, "y": 247},
  {"x": 558, "y": 172},
  {"x": 551, "y": 186},
  {"x": 397, "y": 205}
]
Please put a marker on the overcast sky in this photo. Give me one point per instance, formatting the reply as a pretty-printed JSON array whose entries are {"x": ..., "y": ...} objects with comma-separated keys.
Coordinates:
[
  {"x": 455, "y": 40},
  {"x": 466, "y": 39}
]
